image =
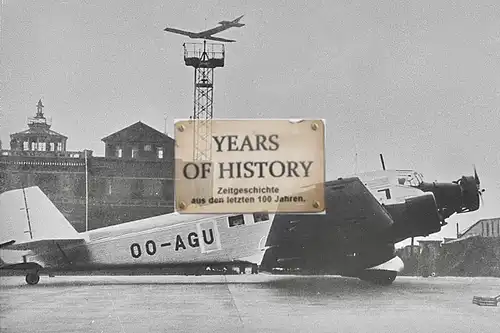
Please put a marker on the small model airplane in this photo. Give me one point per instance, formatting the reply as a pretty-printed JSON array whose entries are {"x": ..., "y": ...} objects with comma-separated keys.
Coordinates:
[
  {"x": 207, "y": 34},
  {"x": 185, "y": 243}
]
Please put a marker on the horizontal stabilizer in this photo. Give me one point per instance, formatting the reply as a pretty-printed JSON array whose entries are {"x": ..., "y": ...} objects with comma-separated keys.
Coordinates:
[
  {"x": 219, "y": 39},
  {"x": 20, "y": 266},
  {"x": 43, "y": 244},
  {"x": 7, "y": 243}
]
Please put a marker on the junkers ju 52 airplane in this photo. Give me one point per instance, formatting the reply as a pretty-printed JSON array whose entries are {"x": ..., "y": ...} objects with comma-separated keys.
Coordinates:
[
  {"x": 356, "y": 236},
  {"x": 191, "y": 242},
  {"x": 208, "y": 34}
]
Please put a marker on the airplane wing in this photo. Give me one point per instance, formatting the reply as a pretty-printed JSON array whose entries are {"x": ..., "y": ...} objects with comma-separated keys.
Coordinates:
[
  {"x": 181, "y": 32},
  {"x": 219, "y": 39},
  {"x": 351, "y": 210},
  {"x": 353, "y": 216},
  {"x": 213, "y": 31}
]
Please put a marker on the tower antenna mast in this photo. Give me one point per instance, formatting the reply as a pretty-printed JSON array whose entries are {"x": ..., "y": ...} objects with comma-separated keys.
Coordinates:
[{"x": 204, "y": 58}]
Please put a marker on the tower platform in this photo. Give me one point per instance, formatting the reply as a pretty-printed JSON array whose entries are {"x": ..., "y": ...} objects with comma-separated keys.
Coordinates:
[{"x": 204, "y": 55}]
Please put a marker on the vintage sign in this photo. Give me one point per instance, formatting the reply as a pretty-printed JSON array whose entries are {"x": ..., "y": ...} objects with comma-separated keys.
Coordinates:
[{"x": 245, "y": 166}]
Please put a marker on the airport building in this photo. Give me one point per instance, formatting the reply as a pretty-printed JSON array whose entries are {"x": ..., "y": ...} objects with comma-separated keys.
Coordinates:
[
  {"x": 483, "y": 228},
  {"x": 476, "y": 252},
  {"x": 133, "y": 180}
]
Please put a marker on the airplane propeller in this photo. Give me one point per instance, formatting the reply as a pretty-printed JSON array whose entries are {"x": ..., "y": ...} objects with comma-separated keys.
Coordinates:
[
  {"x": 476, "y": 177},
  {"x": 478, "y": 185}
]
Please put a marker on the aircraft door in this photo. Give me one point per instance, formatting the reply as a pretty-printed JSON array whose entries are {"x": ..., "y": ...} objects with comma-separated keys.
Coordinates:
[{"x": 208, "y": 234}]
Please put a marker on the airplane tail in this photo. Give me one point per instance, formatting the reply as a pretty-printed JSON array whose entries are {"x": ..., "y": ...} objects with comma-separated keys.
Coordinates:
[
  {"x": 237, "y": 20},
  {"x": 28, "y": 215}
]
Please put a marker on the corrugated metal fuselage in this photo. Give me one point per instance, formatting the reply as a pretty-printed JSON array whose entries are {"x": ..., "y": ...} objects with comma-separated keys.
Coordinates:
[{"x": 163, "y": 241}]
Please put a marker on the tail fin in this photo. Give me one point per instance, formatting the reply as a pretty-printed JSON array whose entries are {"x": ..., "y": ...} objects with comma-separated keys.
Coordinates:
[{"x": 27, "y": 214}]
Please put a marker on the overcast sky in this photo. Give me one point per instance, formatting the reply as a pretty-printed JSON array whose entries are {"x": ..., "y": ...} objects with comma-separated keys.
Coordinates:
[{"x": 418, "y": 81}]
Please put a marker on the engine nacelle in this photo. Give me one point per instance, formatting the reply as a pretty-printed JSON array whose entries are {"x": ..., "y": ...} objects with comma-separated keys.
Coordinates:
[
  {"x": 460, "y": 196},
  {"x": 417, "y": 216}
]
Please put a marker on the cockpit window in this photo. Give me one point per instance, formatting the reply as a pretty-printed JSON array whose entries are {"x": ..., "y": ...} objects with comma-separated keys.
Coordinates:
[
  {"x": 414, "y": 179},
  {"x": 260, "y": 217},
  {"x": 236, "y": 220}
]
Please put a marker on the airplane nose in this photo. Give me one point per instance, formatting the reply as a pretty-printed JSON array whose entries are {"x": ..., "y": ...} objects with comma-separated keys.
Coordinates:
[
  {"x": 471, "y": 192},
  {"x": 461, "y": 196}
]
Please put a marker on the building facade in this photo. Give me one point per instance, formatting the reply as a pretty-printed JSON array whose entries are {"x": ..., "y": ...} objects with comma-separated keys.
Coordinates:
[
  {"x": 120, "y": 188},
  {"x": 38, "y": 138},
  {"x": 139, "y": 142}
]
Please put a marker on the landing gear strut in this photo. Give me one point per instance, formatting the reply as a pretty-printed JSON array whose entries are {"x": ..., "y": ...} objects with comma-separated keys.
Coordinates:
[
  {"x": 379, "y": 277},
  {"x": 32, "y": 278}
]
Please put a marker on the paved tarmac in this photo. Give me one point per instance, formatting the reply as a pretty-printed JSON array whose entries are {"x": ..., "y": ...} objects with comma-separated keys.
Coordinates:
[{"x": 245, "y": 303}]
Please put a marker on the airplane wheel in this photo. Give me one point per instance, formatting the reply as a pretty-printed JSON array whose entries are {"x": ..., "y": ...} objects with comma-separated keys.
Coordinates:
[
  {"x": 32, "y": 278},
  {"x": 383, "y": 278}
]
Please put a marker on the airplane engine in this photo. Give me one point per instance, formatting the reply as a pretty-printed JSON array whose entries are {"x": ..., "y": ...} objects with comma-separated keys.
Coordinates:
[
  {"x": 460, "y": 196},
  {"x": 417, "y": 216},
  {"x": 470, "y": 194}
]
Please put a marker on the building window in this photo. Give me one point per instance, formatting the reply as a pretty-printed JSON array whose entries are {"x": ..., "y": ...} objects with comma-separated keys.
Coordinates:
[
  {"x": 152, "y": 187},
  {"x": 260, "y": 217},
  {"x": 236, "y": 220},
  {"x": 159, "y": 152},
  {"x": 34, "y": 145},
  {"x": 137, "y": 189},
  {"x": 118, "y": 152},
  {"x": 42, "y": 146},
  {"x": 147, "y": 147},
  {"x": 135, "y": 152},
  {"x": 59, "y": 146},
  {"x": 26, "y": 145},
  {"x": 52, "y": 146}
]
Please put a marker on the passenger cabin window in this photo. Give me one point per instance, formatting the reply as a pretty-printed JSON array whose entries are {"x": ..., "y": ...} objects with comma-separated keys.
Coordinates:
[
  {"x": 260, "y": 217},
  {"x": 236, "y": 220}
]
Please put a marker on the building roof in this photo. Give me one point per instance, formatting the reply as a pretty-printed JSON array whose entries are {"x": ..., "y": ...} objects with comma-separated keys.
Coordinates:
[
  {"x": 482, "y": 220},
  {"x": 138, "y": 132},
  {"x": 37, "y": 131}
]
